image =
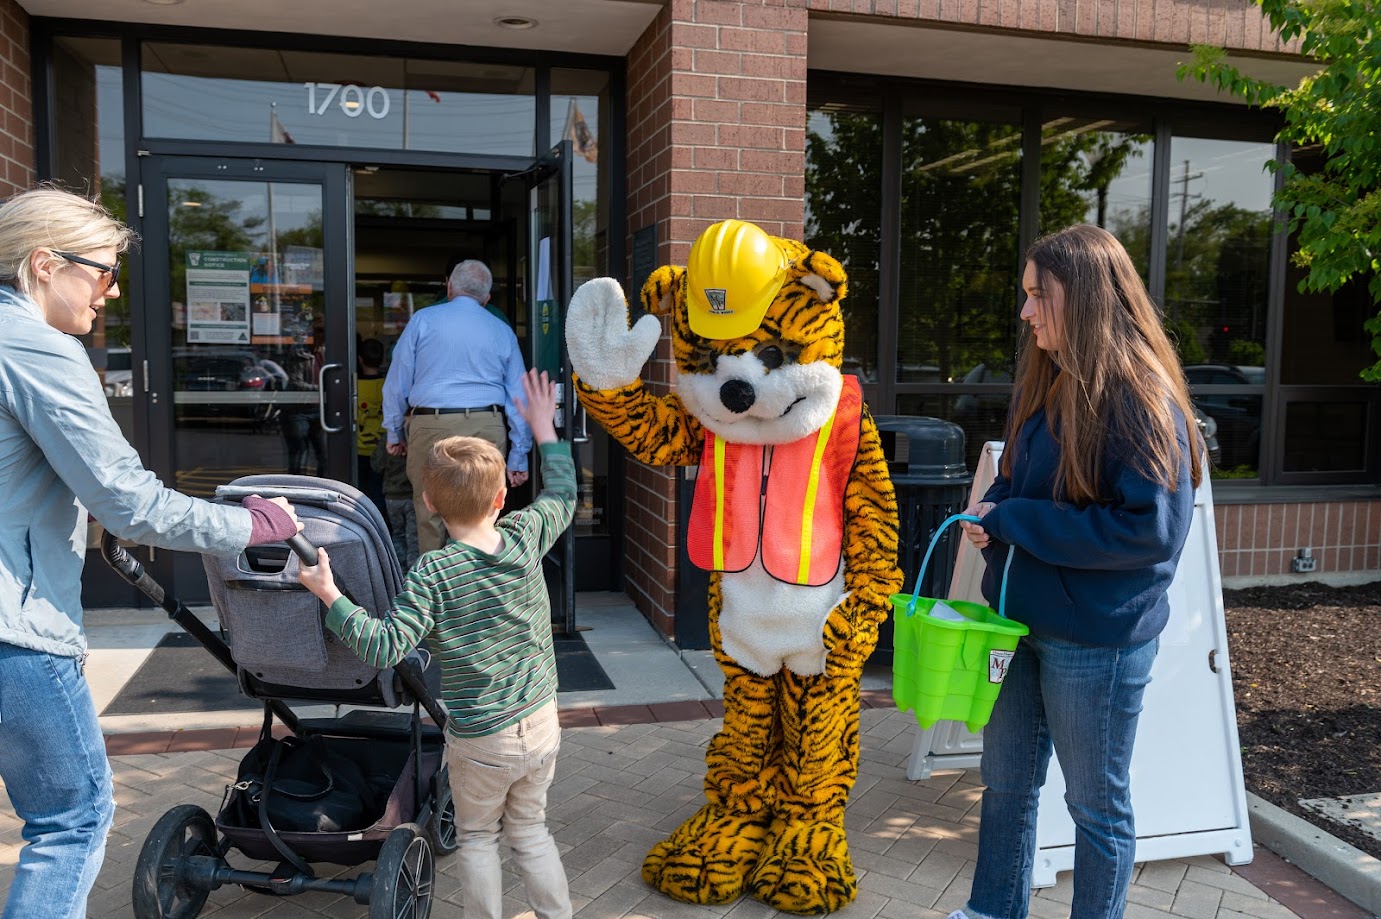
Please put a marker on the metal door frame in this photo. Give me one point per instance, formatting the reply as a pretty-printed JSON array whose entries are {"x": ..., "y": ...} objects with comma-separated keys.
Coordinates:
[
  {"x": 151, "y": 331},
  {"x": 555, "y": 166}
]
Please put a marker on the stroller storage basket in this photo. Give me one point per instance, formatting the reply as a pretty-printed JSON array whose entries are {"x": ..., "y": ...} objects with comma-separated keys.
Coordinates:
[
  {"x": 948, "y": 670},
  {"x": 389, "y": 764}
]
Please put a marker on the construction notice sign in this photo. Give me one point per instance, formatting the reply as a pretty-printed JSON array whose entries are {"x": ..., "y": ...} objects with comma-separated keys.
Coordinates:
[{"x": 218, "y": 297}]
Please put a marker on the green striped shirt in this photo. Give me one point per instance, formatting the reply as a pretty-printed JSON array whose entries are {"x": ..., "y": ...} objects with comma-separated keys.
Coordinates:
[{"x": 487, "y": 617}]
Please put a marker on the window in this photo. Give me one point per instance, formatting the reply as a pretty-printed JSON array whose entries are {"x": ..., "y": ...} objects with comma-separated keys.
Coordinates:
[
  {"x": 265, "y": 95},
  {"x": 844, "y": 217},
  {"x": 1098, "y": 170},
  {"x": 580, "y": 114},
  {"x": 959, "y": 272},
  {"x": 1217, "y": 277},
  {"x": 89, "y": 148},
  {"x": 1329, "y": 414}
]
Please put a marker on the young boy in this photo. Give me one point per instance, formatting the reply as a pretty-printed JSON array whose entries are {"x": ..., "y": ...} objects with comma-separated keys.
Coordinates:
[
  {"x": 369, "y": 416},
  {"x": 398, "y": 508},
  {"x": 482, "y": 602}
]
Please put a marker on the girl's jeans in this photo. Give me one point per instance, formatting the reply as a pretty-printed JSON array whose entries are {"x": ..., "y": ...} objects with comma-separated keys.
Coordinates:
[
  {"x": 1085, "y": 701},
  {"x": 53, "y": 763}
]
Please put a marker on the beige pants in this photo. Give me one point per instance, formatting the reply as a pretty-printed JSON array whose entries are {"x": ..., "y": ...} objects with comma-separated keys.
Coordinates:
[
  {"x": 499, "y": 784},
  {"x": 425, "y": 430}
]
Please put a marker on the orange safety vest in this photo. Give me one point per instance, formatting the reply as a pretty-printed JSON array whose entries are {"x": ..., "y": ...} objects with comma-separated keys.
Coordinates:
[{"x": 802, "y": 499}]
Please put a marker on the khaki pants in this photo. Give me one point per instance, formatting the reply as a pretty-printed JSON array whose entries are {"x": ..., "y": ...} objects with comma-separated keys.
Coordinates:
[
  {"x": 499, "y": 784},
  {"x": 425, "y": 430}
]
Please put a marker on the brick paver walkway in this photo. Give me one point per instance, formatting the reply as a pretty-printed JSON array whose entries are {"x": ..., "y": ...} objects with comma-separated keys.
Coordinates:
[{"x": 622, "y": 787}]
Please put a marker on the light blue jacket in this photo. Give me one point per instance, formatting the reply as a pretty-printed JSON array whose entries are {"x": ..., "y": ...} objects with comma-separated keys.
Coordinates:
[{"x": 61, "y": 453}]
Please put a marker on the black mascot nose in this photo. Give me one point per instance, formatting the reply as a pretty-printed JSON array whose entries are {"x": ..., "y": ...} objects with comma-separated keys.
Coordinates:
[{"x": 737, "y": 396}]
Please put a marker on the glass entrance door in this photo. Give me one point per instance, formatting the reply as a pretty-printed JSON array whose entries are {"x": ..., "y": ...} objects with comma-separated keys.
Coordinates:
[
  {"x": 247, "y": 358},
  {"x": 551, "y": 282}
]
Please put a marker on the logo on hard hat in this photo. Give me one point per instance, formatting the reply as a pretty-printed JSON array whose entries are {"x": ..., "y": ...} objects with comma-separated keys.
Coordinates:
[{"x": 716, "y": 297}]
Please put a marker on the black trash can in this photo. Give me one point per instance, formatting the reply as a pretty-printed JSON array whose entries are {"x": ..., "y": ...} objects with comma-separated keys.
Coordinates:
[{"x": 925, "y": 457}]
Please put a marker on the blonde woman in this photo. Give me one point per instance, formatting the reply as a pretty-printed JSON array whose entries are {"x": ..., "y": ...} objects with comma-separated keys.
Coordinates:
[
  {"x": 62, "y": 455},
  {"x": 1095, "y": 494}
]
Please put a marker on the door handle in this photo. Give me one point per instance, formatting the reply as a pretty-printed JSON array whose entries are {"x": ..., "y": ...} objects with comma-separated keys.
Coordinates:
[
  {"x": 321, "y": 397},
  {"x": 582, "y": 434}
]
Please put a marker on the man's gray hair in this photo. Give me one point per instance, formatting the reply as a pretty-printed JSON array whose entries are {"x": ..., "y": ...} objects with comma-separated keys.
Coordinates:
[{"x": 471, "y": 278}]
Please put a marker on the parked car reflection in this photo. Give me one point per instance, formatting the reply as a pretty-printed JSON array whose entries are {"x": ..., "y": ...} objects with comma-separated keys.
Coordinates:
[
  {"x": 118, "y": 377},
  {"x": 1208, "y": 430},
  {"x": 1238, "y": 417},
  {"x": 235, "y": 381},
  {"x": 219, "y": 370}
]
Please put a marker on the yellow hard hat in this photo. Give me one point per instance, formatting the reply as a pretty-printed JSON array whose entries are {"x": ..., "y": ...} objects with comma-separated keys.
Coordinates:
[{"x": 732, "y": 276}]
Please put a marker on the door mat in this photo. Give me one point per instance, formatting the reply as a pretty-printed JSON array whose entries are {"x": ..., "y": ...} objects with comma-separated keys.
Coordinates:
[
  {"x": 182, "y": 676},
  {"x": 577, "y": 668}
]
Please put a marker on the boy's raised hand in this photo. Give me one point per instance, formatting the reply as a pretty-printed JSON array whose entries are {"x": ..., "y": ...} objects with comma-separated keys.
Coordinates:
[
  {"x": 318, "y": 578},
  {"x": 538, "y": 406}
]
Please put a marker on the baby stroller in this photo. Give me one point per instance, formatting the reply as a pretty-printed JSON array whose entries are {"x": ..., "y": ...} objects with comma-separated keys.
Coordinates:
[{"x": 372, "y": 784}]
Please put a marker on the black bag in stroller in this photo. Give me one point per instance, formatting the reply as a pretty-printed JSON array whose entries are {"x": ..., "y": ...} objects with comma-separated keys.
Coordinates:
[{"x": 371, "y": 784}]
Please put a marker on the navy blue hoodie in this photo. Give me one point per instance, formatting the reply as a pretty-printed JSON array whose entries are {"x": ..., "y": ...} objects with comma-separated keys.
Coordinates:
[{"x": 1096, "y": 575}]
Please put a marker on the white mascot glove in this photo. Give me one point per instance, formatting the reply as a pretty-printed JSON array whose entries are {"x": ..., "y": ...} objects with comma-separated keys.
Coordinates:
[{"x": 605, "y": 352}]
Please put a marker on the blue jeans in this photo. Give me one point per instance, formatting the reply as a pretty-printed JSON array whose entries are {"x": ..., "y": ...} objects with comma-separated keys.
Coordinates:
[
  {"x": 1085, "y": 701},
  {"x": 53, "y": 762}
]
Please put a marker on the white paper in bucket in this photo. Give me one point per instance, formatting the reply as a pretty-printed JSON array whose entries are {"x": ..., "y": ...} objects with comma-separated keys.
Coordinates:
[{"x": 946, "y": 613}]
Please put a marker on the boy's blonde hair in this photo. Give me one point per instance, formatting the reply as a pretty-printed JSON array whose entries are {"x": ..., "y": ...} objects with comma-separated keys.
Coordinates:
[{"x": 462, "y": 476}]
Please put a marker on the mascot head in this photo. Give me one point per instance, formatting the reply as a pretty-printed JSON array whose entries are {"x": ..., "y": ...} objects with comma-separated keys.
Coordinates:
[{"x": 757, "y": 333}]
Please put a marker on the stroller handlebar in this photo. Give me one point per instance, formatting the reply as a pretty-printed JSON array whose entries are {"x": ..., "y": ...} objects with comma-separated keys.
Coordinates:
[
  {"x": 305, "y": 550},
  {"x": 129, "y": 569}
]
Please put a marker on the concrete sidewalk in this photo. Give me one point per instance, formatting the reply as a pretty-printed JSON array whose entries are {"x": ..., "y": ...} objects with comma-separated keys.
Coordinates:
[{"x": 630, "y": 771}]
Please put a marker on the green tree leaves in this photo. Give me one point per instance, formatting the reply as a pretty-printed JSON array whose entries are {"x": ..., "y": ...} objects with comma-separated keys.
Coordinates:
[{"x": 1331, "y": 197}]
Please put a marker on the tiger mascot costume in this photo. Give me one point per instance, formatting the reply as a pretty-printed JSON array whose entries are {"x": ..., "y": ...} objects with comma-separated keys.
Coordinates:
[{"x": 795, "y": 516}]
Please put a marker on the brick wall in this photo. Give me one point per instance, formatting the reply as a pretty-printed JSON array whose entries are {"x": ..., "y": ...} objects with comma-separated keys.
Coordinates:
[
  {"x": 716, "y": 129},
  {"x": 1233, "y": 24},
  {"x": 16, "y": 101},
  {"x": 1259, "y": 540}
]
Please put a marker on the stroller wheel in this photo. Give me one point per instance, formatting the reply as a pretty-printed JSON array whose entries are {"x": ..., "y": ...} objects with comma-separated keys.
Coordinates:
[
  {"x": 441, "y": 825},
  {"x": 403, "y": 876},
  {"x": 161, "y": 886}
]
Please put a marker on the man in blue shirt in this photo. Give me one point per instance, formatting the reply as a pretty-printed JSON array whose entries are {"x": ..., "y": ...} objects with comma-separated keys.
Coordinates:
[
  {"x": 455, "y": 369},
  {"x": 491, "y": 306}
]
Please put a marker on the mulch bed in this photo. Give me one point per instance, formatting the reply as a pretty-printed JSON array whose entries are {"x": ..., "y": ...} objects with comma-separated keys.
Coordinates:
[{"x": 1306, "y": 674}]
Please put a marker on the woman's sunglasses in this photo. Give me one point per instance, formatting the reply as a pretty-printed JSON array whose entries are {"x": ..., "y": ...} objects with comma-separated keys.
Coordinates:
[{"x": 112, "y": 270}]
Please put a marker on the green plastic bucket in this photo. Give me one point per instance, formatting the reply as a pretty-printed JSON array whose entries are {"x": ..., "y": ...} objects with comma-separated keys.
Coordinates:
[{"x": 945, "y": 670}]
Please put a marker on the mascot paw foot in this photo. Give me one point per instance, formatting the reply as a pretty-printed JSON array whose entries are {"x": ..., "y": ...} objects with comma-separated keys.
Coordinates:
[
  {"x": 806, "y": 869},
  {"x": 708, "y": 858}
]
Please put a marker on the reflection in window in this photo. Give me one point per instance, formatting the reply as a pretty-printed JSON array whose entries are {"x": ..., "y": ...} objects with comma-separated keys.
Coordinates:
[
  {"x": 844, "y": 218},
  {"x": 1218, "y": 250},
  {"x": 961, "y": 191},
  {"x": 983, "y": 417},
  {"x": 1324, "y": 340},
  {"x": 1217, "y": 274},
  {"x": 89, "y": 148},
  {"x": 298, "y": 97},
  {"x": 248, "y": 328},
  {"x": 1098, "y": 171},
  {"x": 580, "y": 113}
]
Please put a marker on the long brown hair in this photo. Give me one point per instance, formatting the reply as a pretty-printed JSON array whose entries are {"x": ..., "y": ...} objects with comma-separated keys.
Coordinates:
[{"x": 1115, "y": 372}]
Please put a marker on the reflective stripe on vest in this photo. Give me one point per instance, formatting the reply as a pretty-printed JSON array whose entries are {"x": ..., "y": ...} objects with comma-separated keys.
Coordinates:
[{"x": 802, "y": 500}]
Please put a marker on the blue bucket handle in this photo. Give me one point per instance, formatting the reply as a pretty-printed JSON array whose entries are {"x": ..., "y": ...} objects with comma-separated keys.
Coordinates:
[{"x": 925, "y": 563}]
